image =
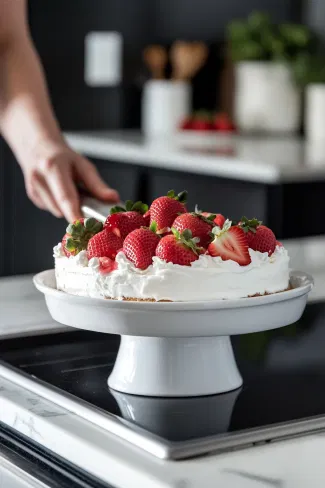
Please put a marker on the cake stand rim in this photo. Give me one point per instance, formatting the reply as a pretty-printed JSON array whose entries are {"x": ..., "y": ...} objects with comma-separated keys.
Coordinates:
[{"x": 306, "y": 284}]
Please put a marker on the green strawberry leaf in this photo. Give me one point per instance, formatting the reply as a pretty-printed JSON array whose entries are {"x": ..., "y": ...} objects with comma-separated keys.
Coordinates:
[
  {"x": 249, "y": 225},
  {"x": 153, "y": 227}
]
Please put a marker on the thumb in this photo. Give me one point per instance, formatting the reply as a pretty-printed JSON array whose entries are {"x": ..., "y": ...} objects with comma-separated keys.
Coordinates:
[{"x": 93, "y": 182}]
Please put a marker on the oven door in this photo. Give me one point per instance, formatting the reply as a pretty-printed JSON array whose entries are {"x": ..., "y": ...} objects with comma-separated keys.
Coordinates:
[{"x": 24, "y": 464}]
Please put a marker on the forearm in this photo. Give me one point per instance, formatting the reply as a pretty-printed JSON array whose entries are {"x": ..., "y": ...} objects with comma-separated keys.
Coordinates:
[{"x": 26, "y": 117}]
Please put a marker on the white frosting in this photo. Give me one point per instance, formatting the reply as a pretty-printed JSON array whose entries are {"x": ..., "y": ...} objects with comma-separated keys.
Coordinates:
[{"x": 208, "y": 278}]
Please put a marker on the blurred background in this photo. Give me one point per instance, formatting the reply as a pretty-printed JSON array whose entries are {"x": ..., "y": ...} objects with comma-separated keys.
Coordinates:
[{"x": 224, "y": 100}]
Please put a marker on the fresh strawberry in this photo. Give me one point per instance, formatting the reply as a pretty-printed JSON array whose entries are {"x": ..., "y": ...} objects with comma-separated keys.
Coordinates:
[
  {"x": 64, "y": 246},
  {"x": 122, "y": 220},
  {"x": 260, "y": 238},
  {"x": 201, "y": 125},
  {"x": 104, "y": 244},
  {"x": 179, "y": 248},
  {"x": 223, "y": 123},
  {"x": 78, "y": 234},
  {"x": 140, "y": 246},
  {"x": 164, "y": 210},
  {"x": 146, "y": 217},
  {"x": 186, "y": 124},
  {"x": 200, "y": 226},
  {"x": 279, "y": 244},
  {"x": 230, "y": 243},
  {"x": 219, "y": 220},
  {"x": 202, "y": 121},
  {"x": 107, "y": 265}
]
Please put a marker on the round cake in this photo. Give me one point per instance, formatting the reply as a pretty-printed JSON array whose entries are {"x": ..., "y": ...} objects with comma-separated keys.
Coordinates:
[{"x": 165, "y": 253}]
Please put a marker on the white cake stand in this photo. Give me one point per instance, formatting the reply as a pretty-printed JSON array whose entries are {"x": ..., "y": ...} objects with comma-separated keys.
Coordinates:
[{"x": 176, "y": 349}]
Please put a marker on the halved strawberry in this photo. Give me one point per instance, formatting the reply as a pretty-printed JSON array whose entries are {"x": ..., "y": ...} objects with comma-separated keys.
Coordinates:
[
  {"x": 260, "y": 238},
  {"x": 78, "y": 234},
  {"x": 122, "y": 220},
  {"x": 140, "y": 246},
  {"x": 104, "y": 244},
  {"x": 179, "y": 248},
  {"x": 230, "y": 243},
  {"x": 200, "y": 226},
  {"x": 164, "y": 210}
]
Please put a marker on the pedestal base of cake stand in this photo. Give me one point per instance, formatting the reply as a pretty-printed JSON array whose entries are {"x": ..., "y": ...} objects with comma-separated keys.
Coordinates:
[
  {"x": 176, "y": 349},
  {"x": 175, "y": 366}
]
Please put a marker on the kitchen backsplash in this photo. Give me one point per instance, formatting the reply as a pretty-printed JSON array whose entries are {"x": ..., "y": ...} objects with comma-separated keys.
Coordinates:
[{"x": 59, "y": 29}]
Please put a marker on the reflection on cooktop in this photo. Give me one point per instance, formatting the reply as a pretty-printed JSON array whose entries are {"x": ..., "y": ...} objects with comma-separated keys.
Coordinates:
[{"x": 283, "y": 371}]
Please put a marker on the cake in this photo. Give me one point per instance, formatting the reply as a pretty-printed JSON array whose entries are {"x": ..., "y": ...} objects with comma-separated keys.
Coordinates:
[{"x": 165, "y": 253}]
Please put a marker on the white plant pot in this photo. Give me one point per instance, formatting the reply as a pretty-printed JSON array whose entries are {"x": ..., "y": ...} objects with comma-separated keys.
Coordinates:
[
  {"x": 164, "y": 105},
  {"x": 266, "y": 98},
  {"x": 315, "y": 112}
]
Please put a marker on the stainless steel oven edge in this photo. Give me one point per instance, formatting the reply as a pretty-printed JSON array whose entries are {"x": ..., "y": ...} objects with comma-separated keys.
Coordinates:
[{"x": 153, "y": 444}]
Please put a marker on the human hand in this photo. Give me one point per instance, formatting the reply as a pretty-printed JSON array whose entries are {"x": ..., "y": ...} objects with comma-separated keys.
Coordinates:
[{"x": 52, "y": 173}]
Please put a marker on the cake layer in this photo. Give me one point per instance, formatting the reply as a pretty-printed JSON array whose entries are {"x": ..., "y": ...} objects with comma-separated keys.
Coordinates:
[{"x": 208, "y": 278}]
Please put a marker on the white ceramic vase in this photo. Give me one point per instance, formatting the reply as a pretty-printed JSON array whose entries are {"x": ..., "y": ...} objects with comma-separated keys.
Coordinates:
[
  {"x": 315, "y": 112},
  {"x": 165, "y": 104},
  {"x": 266, "y": 98}
]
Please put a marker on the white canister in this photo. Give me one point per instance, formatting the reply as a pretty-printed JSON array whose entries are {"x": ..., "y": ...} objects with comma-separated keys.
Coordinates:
[
  {"x": 266, "y": 98},
  {"x": 165, "y": 104},
  {"x": 315, "y": 112}
]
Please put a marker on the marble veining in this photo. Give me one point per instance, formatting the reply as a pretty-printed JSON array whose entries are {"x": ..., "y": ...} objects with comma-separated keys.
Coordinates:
[
  {"x": 28, "y": 423},
  {"x": 265, "y": 481}
]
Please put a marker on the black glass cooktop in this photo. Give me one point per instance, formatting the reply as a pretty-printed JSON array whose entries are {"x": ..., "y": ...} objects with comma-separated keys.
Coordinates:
[{"x": 283, "y": 372}]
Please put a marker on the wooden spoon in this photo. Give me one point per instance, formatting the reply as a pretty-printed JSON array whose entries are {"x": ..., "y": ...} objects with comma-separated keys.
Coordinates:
[
  {"x": 155, "y": 58},
  {"x": 187, "y": 59}
]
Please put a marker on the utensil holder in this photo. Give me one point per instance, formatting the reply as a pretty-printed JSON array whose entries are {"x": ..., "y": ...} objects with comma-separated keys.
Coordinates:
[{"x": 165, "y": 104}]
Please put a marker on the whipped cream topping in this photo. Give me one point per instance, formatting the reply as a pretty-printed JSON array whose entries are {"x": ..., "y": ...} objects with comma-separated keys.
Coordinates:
[{"x": 208, "y": 278}]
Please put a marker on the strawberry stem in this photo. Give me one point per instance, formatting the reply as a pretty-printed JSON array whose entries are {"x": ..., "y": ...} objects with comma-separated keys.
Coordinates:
[
  {"x": 140, "y": 207},
  {"x": 186, "y": 238},
  {"x": 153, "y": 227},
  {"x": 80, "y": 233},
  {"x": 181, "y": 197},
  {"x": 249, "y": 225}
]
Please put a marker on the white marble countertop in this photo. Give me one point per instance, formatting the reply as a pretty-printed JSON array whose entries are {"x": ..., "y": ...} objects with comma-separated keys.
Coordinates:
[
  {"x": 295, "y": 463},
  {"x": 278, "y": 160}
]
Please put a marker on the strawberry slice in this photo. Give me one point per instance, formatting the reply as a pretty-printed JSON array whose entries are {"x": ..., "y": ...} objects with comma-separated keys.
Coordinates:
[{"x": 230, "y": 243}]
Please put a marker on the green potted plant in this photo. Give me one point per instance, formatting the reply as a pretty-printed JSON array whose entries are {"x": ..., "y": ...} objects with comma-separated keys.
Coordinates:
[{"x": 268, "y": 95}]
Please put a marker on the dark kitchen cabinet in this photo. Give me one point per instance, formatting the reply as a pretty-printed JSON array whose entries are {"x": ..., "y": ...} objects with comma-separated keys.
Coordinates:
[{"x": 28, "y": 234}]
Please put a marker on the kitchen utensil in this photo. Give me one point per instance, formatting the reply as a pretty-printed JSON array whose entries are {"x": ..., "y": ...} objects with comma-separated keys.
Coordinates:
[
  {"x": 155, "y": 57},
  {"x": 176, "y": 349},
  {"x": 187, "y": 59}
]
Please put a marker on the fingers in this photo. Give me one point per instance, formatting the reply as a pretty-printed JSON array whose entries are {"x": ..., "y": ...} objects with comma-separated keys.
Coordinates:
[
  {"x": 45, "y": 196},
  {"x": 63, "y": 189},
  {"x": 90, "y": 177},
  {"x": 40, "y": 195}
]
